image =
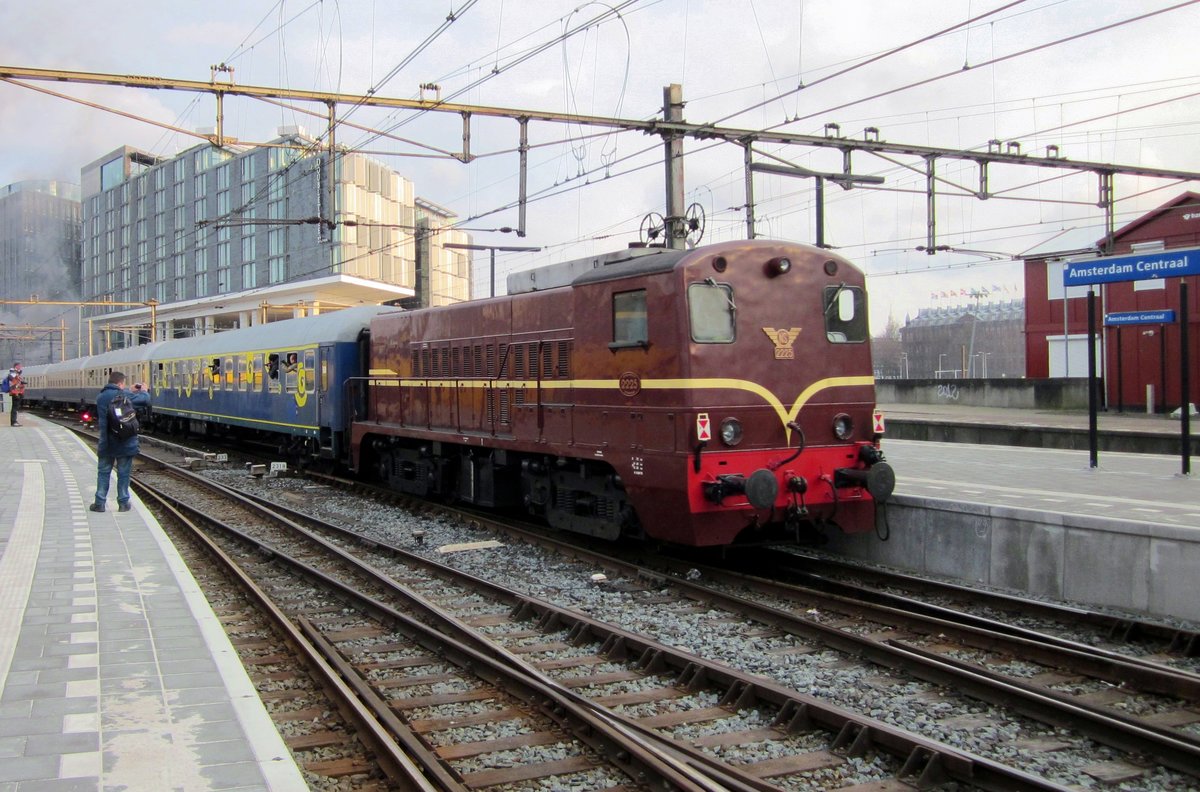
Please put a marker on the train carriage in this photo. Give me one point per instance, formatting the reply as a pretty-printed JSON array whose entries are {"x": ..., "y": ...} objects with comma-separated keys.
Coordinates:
[
  {"x": 279, "y": 382},
  {"x": 75, "y": 383}
]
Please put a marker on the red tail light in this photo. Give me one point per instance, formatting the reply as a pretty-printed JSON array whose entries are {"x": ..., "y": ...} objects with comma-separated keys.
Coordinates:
[{"x": 85, "y": 417}]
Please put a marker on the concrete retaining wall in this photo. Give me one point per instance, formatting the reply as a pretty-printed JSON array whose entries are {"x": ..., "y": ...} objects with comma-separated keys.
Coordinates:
[
  {"x": 1090, "y": 560},
  {"x": 1030, "y": 394}
]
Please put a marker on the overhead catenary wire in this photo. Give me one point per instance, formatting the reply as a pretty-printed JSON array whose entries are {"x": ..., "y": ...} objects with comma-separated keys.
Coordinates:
[
  {"x": 580, "y": 186},
  {"x": 1000, "y": 59}
]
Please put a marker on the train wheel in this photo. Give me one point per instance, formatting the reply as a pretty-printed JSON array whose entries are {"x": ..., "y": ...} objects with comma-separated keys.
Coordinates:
[{"x": 384, "y": 467}]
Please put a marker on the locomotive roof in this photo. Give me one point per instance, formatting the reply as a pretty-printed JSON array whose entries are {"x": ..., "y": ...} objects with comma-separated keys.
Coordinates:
[{"x": 618, "y": 264}]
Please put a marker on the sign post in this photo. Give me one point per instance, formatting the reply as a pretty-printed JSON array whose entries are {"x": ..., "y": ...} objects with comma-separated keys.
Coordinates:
[
  {"x": 1148, "y": 266},
  {"x": 1185, "y": 414},
  {"x": 1093, "y": 430}
]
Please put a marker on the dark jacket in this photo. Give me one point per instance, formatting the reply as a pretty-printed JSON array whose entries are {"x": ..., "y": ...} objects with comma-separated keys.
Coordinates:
[{"x": 110, "y": 446}]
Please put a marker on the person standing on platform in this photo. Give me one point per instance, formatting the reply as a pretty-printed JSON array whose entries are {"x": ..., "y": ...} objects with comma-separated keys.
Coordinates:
[
  {"x": 14, "y": 386},
  {"x": 117, "y": 446}
]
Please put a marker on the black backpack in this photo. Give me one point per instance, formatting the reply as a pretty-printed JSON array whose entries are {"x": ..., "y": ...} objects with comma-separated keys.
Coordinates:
[{"x": 122, "y": 418}]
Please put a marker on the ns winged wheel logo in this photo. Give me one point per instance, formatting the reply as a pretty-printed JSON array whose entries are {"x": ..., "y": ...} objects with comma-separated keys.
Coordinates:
[{"x": 783, "y": 340}]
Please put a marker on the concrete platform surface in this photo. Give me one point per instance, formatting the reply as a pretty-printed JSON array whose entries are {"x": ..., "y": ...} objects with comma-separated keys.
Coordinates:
[
  {"x": 115, "y": 674},
  {"x": 1125, "y": 534},
  {"x": 1127, "y": 431},
  {"x": 1145, "y": 488}
]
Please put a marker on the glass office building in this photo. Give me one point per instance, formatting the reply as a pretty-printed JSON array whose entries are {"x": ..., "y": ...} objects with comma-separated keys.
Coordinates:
[{"x": 212, "y": 227}]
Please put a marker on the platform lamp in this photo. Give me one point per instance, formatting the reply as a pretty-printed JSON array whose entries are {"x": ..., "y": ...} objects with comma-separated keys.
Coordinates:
[{"x": 492, "y": 249}]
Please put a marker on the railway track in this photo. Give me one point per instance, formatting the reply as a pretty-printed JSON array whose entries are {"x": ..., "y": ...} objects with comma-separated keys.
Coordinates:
[
  {"x": 726, "y": 725},
  {"x": 1165, "y": 643},
  {"x": 426, "y": 689},
  {"x": 1138, "y": 707},
  {"x": 1163, "y": 730}
]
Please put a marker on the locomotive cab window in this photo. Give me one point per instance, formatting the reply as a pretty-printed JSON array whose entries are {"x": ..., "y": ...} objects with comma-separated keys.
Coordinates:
[
  {"x": 845, "y": 314},
  {"x": 712, "y": 312},
  {"x": 630, "y": 328}
]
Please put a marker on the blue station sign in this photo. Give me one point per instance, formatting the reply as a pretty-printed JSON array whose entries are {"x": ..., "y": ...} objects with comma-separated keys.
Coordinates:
[
  {"x": 1143, "y": 266},
  {"x": 1139, "y": 317}
]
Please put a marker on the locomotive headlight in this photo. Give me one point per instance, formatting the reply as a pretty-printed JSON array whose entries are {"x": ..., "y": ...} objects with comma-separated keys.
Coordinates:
[
  {"x": 843, "y": 427},
  {"x": 778, "y": 266},
  {"x": 731, "y": 431}
]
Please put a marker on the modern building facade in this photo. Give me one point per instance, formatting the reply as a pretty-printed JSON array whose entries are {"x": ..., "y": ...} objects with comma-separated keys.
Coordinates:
[
  {"x": 39, "y": 259},
  {"x": 985, "y": 340},
  {"x": 1139, "y": 363},
  {"x": 224, "y": 237}
]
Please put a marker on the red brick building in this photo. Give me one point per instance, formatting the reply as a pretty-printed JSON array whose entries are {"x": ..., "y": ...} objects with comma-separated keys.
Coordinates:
[{"x": 1133, "y": 357}]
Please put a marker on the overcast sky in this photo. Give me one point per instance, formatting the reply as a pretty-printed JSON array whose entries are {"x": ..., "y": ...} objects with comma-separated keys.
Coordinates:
[{"x": 1128, "y": 95}]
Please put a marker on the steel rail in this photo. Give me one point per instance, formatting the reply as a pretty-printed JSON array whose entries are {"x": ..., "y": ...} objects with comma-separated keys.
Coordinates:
[
  {"x": 1168, "y": 747},
  {"x": 1185, "y": 641},
  {"x": 924, "y": 758},
  {"x": 393, "y": 759},
  {"x": 641, "y": 759},
  {"x": 981, "y": 633}
]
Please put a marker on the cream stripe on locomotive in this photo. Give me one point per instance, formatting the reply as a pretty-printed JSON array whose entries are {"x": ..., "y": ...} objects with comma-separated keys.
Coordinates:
[{"x": 710, "y": 383}]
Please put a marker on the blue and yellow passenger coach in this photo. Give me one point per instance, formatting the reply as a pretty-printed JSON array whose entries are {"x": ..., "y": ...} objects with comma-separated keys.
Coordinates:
[{"x": 279, "y": 382}]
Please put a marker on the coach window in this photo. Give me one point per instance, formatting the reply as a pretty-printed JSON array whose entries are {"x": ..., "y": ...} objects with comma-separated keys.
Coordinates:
[
  {"x": 256, "y": 383},
  {"x": 845, "y": 314},
  {"x": 310, "y": 370},
  {"x": 629, "y": 320},
  {"x": 243, "y": 374},
  {"x": 290, "y": 365},
  {"x": 228, "y": 374},
  {"x": 274, "y": 384},
  {"x": 712, "y": 312}
]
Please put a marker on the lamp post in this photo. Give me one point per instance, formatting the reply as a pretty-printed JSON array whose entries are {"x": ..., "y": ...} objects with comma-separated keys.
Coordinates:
[{"x": 492, "y": 249}]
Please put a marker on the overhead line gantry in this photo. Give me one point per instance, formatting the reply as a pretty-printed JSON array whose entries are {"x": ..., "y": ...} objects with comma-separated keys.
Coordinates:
[{"x": 671, "y": 128}]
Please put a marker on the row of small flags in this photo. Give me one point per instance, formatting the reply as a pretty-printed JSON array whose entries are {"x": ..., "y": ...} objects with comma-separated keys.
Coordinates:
[{"x": 976, "y": 294}]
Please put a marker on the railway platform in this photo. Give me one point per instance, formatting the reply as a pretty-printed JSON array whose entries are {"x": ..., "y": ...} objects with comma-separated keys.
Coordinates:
[
  {"x": 972, "y": 504},
  {"x": 1116, "y": 431},
  {"x": 114, "y": 671}
]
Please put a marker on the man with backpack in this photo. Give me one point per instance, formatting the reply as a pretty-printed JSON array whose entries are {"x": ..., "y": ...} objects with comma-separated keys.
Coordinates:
[
  {"x": 14, "y": 386},
  {"x": 117, "y": 413}
]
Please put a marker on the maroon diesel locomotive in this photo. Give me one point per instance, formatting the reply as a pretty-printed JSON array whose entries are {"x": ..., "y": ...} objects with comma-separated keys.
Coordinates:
[{"x": 701, "y": 397}]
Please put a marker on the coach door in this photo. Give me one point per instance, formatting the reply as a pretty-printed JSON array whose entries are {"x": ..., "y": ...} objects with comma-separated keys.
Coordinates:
[{"x": 324, "y": 397}]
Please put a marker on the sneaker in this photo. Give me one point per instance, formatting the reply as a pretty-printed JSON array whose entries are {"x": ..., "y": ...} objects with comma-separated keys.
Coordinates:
[
  {"x": 124, "y": 507},
  {"x": 96, "y": 507}
]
